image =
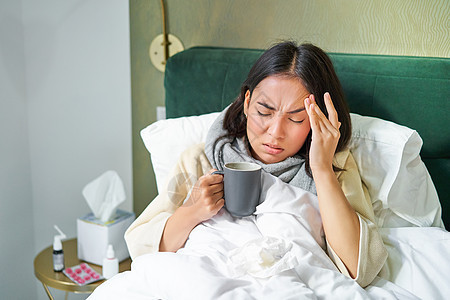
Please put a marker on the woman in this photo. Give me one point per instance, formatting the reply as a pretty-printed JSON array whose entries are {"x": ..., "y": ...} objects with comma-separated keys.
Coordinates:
[{"x": 292, "y": 119}]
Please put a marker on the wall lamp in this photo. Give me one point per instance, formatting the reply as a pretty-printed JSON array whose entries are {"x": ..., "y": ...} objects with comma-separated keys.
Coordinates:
[{"x": 164, "y": 45}]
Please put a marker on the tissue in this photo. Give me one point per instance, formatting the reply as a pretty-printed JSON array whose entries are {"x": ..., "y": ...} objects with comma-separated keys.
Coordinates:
[
  {"x": 262, "y": 258},
  {"x": 104, "y": 194}
]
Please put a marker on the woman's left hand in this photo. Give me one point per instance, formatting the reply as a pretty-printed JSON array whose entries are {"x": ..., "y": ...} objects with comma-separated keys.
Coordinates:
[{"x": 325, "y": 134}]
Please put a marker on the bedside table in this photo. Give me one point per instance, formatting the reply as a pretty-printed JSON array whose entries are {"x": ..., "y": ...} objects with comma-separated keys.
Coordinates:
[{"x": 43, "y": 270}]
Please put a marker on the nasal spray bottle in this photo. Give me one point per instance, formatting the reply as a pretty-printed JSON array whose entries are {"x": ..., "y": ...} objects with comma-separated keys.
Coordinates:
[{"x": 58, "y": 254}]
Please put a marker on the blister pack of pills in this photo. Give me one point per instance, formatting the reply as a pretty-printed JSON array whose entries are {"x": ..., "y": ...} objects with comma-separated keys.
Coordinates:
[{"x": 82, "y": 274}]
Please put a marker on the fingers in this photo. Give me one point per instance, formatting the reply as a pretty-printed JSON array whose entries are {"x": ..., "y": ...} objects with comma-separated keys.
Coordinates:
[
  {"x": 216, "y": 190},
  {"x": 317, "y": 118},
  {"x": 213, "y": 178},
  {"x": 206, "y": 196},
  {"x": 324, "y": 122},
  {"x": 332, "y": 113},
  {"x": 215, "y": 181},
  {"x": 319, "y": 122},
  {"x": 219, "y": 204},
  {"x": 309, "y": 105},
  {"x": 209, "y": 188}
]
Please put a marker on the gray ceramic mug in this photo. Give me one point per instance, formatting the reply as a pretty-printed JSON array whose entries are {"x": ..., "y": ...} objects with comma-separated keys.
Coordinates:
[{"x": 242, "y": 187}]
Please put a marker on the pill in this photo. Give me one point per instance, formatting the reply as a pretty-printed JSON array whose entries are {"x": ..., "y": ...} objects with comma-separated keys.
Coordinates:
[
  {"x": 78, "y": 271},
  {"x": 69, "y": 271}
]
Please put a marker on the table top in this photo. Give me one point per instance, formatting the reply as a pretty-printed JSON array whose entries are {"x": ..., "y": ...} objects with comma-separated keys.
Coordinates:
[{"x": 43, "y": 269}]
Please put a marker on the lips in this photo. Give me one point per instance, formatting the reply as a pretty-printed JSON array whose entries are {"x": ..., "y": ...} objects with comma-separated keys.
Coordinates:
[{"x": 273, "y": 149}]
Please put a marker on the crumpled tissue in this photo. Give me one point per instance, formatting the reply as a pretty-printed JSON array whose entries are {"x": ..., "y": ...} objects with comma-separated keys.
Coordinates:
[
  {"x": 262, "y": 258},
  {"x": 104, "y": 194}
]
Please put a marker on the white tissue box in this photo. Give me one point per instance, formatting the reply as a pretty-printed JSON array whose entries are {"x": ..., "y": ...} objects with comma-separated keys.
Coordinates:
[{"x": 95, "y": 235}]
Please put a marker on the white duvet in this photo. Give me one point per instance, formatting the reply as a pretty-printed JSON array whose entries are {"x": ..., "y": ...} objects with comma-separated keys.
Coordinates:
[{"x": 279, "y": 254}]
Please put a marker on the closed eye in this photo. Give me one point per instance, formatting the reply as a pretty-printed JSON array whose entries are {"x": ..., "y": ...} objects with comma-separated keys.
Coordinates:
[
  {"x": 297, "y": 122},
  {"x": 261, "y": 114}
]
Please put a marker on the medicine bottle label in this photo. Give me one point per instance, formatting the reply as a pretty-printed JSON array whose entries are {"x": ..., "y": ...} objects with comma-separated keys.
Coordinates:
[{"x": 58, "y": 262}]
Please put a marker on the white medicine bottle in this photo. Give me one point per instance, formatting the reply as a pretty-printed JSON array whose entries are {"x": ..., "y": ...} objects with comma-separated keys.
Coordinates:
[{"x": 110, "y": 263}]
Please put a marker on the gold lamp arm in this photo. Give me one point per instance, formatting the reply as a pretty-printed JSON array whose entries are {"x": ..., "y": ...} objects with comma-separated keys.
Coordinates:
[
  {"x": 165, "y": 42},
  {"x": 164, "y": 45}
]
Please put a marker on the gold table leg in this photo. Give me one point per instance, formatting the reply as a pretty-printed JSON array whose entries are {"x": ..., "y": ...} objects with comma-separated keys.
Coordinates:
[
  {"x": 50, "y": 295},
  {"x": 48, "y": 292}
]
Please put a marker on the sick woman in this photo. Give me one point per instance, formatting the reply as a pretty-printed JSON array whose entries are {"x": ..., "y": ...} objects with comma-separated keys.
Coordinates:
[{"x": 291, "y": 118}]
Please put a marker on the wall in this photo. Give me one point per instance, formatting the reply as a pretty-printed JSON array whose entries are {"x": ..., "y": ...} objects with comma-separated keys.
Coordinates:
[
  {"x": 16, "y": 206},
  {"x": 65, "y": 118},
  {"x": 397, "y": 27}
]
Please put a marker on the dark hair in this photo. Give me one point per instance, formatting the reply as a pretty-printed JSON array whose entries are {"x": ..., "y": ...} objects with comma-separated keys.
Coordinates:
[{"x": 313, "y": 67}]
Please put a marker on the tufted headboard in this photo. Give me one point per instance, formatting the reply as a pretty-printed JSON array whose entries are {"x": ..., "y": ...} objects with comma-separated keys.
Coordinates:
[{"x": 411, "y": 91}]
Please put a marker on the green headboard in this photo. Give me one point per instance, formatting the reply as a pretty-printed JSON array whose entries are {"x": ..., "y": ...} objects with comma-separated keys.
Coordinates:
[{"x": 411, "y": 91}]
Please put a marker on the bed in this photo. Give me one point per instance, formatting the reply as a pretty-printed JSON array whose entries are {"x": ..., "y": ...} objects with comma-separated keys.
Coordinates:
[{"x": 400, "y": 140}]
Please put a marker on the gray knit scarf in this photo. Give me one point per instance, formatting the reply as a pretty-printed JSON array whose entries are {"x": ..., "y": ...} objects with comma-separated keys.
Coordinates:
[{"x": 221, "y": 150}]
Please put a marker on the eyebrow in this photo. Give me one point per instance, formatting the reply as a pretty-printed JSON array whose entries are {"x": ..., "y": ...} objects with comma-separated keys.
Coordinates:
[{"x": 272, "y": 108}]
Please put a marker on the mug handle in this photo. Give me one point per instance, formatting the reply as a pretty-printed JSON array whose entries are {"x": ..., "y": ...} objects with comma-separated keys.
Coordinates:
[{"x": 217, "y": 172}]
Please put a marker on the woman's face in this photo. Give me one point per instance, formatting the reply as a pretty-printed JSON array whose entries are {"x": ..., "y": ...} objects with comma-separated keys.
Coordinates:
[{"x": 277, "y": 123}]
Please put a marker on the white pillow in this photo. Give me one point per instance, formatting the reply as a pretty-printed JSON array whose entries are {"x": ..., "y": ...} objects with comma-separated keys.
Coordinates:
[
  {"x": 167, "y": 139},
  {"x": 400, "y": 187},
  {"x": 387, "y": 155}
]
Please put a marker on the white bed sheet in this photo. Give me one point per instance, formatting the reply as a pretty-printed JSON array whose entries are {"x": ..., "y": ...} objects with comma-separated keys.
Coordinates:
[{"x": 417, "y": 265}]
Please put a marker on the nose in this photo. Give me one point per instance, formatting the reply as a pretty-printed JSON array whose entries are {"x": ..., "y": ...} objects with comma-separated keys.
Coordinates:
[{"x": 276, "y": 128}]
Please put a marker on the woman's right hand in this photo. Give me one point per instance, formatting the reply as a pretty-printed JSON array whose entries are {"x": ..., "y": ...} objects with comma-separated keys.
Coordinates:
[{"x": 206, "y": 198}]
